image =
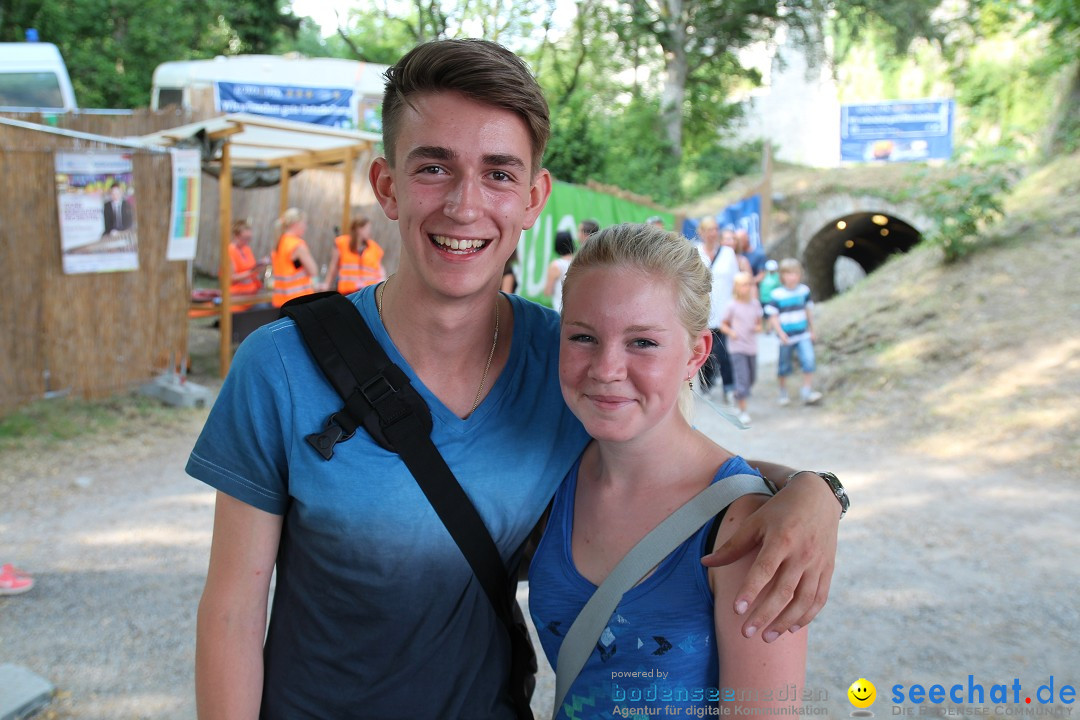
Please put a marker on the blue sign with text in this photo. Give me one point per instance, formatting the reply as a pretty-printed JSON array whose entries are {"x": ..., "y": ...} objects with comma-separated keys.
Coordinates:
[
  {"x": 321, "y": 106},
  {"x": 896, "y": 131}
]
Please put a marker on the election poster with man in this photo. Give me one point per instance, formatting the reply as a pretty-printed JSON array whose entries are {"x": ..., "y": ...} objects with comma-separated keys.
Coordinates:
[{"x": 95, "y": 198}]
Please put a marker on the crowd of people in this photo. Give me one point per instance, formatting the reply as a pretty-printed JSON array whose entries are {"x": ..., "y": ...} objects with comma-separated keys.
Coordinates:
[
  {"x": 355, "y": 261},
  {"x": 750, "y": 294}
]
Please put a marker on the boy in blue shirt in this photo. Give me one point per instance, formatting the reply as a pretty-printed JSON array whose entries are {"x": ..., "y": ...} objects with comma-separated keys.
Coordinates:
[{"x": 790, "y": 312}]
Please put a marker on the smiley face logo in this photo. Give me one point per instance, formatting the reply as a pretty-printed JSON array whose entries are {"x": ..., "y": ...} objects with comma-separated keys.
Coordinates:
[{"x": 862, "y": 693}]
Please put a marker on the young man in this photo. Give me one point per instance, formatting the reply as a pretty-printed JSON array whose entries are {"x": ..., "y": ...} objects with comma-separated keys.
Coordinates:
[
  {"x": 585, "y": 229},
  {"x": 117, "y": 210},
  {"x": 376, "y": 612}
]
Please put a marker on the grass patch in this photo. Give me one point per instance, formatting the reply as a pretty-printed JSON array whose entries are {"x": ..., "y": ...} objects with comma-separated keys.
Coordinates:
[{"x": 46, "y": 422}]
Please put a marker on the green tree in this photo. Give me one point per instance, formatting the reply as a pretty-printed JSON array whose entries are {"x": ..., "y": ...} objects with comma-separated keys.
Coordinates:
[
  {"x": 696, "y": 39},
  {"x": 378, "y": 34},
  {"x": 257, "y": 25},
  {"x": 1063, "y": 16},
  {"x": 373, "y": 35},
  {"x": 578, "y": 148}
]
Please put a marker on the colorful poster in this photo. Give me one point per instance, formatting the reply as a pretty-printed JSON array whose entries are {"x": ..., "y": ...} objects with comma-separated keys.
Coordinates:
[
  {"x": 95, "y": 196},
  {"x": 371, "y": 113},
  {"x": 184, "y": 220},
  {"x": 896, "y": 131},
  {"x": 335, "y": 107},
  {"x": 565, "y": 209}
]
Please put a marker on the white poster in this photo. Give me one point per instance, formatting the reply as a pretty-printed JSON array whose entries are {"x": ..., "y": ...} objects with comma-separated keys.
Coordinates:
[
  {"x": 184, "y": 220},
  {"x": 95, "y": 196}
]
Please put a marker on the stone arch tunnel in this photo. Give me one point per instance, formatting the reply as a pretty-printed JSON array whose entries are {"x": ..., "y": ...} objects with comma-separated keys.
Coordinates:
[{"x": 846, "y": 238}]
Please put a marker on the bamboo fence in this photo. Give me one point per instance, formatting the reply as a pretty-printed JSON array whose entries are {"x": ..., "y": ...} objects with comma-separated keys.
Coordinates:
[
  {"x": 89, "y": 334},
  {"x": 126, "y": 125},
  {"x": 317, "y": 192},
  {"x": 96, "y": 334}
]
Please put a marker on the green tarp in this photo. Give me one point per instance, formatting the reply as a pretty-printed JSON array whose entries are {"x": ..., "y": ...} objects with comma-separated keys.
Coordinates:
[{"x": 568, "y": 206}]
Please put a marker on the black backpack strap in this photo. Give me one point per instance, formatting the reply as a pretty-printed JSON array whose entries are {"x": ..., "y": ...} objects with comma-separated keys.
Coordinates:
[
  {"x": 377, "y": 393},
  {"x": 380, "y": 398}
]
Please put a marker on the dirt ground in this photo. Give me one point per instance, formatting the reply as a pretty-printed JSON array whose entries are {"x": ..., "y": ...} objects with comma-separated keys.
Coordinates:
[
  {"x": 950, "y": 414},
  {"x": 945, "y": 567}
]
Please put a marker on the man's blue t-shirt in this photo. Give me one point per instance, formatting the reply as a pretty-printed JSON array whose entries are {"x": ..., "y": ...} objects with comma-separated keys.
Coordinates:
[{"x": 376, "y": 613}]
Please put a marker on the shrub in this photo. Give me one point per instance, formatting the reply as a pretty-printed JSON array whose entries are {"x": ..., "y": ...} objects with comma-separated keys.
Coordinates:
[{"x": 964, "y": 207}]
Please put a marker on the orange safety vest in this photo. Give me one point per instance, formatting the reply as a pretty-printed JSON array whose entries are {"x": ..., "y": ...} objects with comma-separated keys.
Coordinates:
[
  {"x": 289, "y": 281},
  {"x": 243, "y": 259},
  {"x": 357, "y": 270}
]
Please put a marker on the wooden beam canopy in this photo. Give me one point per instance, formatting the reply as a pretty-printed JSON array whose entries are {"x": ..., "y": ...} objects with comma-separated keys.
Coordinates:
[{"x": 255, "y": 141}]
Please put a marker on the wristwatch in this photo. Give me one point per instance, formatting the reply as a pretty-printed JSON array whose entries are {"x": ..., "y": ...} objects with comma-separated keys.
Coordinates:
[{"x": 834, "y": 484}]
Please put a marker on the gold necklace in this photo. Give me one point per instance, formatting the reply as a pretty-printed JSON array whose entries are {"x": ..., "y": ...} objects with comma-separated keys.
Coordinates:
[{"x": 381, "y": 295}]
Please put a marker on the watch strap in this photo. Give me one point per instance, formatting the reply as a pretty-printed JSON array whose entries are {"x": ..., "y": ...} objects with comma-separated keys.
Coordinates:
[{"x": 834, "y": 484}]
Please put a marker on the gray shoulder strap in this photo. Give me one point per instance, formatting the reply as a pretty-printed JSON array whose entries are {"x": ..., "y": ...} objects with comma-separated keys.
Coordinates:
[{"x": 643, "y": 557}]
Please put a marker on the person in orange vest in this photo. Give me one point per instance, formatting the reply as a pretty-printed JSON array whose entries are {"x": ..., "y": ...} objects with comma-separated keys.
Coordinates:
[
  {"x": 356, "y": 261},
  {"x": 246, "y": 272},
  {"x": 293, "y": 266}
]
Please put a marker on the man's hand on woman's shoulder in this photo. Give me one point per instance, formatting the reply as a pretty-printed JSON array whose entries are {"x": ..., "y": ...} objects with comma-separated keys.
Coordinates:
[{"x": 788, "y": 583}]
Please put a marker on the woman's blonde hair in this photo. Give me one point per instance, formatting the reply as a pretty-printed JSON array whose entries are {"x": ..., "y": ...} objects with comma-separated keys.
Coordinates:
[
  {"x": 289, "y": 218},
  {"x": 653, "y": 251}
]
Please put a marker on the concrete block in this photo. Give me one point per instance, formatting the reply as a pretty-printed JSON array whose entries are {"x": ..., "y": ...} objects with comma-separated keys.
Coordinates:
[
  {"x": 178, "y": 392},
  {"x": 22, "y": 693}
]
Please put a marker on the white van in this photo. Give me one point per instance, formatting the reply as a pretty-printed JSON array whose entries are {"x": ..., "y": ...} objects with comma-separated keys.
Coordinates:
[
  {"x": 33, "y": 76},
  {"x": 290, "y": 87}
]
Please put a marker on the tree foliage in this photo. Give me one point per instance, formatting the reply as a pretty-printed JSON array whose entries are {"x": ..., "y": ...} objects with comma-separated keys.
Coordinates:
[
  {"x": 1063, "y": 16},
  {"x": 965, "y": 208},
  {"x": 639, "y": 89},
  {"x": 382, "y": 32}
]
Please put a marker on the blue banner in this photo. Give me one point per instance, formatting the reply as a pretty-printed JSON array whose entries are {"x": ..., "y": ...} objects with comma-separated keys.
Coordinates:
[
  {"x": 321, "y": 106},
  {"x": 896, "y": 131},
  {"x": 745, "y": 215}
]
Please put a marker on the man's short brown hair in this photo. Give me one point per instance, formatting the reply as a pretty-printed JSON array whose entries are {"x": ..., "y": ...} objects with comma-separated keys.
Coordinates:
[{"x": 482, "y": 71}]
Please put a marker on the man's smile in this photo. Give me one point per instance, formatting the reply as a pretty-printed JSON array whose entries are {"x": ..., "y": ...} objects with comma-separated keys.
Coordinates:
[{"x": 458, "y": 246}]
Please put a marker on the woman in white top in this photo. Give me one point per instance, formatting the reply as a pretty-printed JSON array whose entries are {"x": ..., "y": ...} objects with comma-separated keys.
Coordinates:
[{"x": 564, "y": 248}]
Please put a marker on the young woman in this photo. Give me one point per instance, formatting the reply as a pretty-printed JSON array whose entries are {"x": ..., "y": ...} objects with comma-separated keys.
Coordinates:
[
  {"x": 356, "y": 260},
  {"x": 246, "y": 271},
  {"x": 634, "y": 334},
  {"x": 293, "y": 266},
  {"x": 509, "y": 279},
  {"x": 564, "y": 250},
  {"x": 741, "y": 324}
]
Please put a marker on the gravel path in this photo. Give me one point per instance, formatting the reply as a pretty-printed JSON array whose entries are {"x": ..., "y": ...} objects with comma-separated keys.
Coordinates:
[{"x": 944, "y": 569}]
